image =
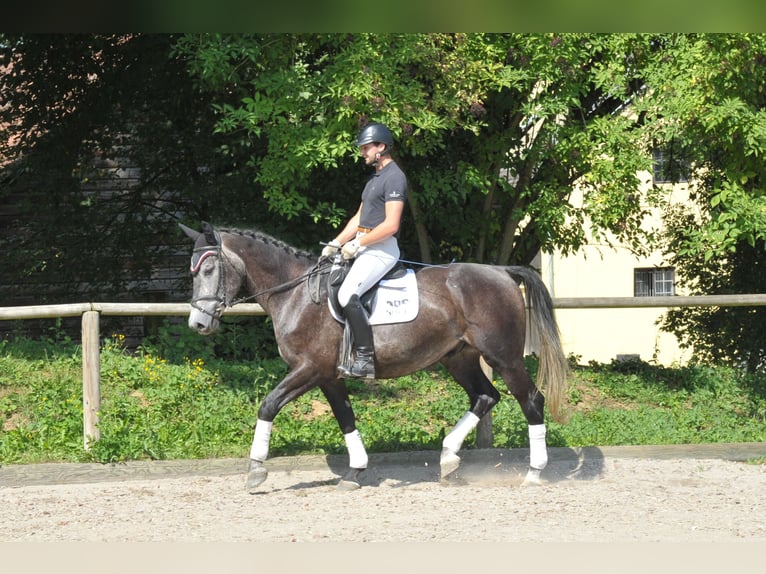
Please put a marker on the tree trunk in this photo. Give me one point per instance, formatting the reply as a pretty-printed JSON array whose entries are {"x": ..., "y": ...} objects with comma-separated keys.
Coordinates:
[{"x": 420, "y": 229}]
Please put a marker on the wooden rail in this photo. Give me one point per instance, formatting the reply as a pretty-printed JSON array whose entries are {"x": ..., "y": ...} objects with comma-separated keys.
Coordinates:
[
  {"x": 674, "y": 301},
  {"x": 91, "y": 313}
]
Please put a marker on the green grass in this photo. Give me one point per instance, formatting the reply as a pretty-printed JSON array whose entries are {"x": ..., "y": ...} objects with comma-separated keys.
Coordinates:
[{"x": 159, "y": 405}]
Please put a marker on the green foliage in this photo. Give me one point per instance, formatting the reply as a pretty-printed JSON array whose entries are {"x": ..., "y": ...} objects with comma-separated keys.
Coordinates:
[
  {"x": 636, "y": 403},
  {"x": 81, "y": 112},
  {"x": 708, "y": 106},
  {"x": 735, "y": 336},
  {"x": 493, "y": 130},
  {"x": 158, "y": 410},
  {"x": 190, "y": 407},
  {"x": 495, "y": 127},
  {"x": 238, "y": 339}
]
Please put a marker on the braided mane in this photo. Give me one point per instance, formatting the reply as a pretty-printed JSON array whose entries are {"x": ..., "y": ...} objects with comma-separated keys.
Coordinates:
[{"x": 269, "y": 240}]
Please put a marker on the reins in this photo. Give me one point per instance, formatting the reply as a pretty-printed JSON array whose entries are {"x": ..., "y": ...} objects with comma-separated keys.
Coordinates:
[
  {"x": 315, "y": 271},
  {"x": 318, "y": 269}
]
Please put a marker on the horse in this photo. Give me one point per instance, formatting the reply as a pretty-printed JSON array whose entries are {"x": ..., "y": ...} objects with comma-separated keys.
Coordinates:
[{"x": 467, "y": 311}]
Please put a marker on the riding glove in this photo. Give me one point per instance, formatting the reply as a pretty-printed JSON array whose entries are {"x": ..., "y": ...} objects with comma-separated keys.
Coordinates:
[
  {"x": 331, "y": 248},
  {"x": 350, "y": 249}
]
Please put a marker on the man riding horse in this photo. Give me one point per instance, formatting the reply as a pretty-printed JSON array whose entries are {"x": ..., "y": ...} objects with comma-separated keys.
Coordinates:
[{"x": 370, "y": 238}]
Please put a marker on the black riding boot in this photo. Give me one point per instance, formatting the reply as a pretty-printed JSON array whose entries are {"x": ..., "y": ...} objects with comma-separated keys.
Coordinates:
[{"x": 364, "y": 361}]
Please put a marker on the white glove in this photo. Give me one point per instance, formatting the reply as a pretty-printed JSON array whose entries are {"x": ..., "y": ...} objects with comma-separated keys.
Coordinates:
[
  {"x": 350, "y": 249},
  {"x": 330, "y": 249}
]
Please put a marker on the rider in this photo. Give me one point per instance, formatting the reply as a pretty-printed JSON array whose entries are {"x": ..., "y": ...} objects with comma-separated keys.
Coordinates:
[{"x": 370, "y": 238}]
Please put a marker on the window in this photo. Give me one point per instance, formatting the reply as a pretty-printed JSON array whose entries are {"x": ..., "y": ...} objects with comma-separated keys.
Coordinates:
[
  {"x": 667, "y": 168},
  {"x": 654, "y": 282}
]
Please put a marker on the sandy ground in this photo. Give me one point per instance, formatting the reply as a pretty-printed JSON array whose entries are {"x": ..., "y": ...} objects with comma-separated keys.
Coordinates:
[{"x": 585, "y": 496}]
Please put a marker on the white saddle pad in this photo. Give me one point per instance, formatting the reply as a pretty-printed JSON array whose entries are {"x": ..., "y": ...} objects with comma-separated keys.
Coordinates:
[{"x": 396, "y": 302}]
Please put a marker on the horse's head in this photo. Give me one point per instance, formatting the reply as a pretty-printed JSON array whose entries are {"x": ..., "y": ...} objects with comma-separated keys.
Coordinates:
[{"x": 215, "y": 279}]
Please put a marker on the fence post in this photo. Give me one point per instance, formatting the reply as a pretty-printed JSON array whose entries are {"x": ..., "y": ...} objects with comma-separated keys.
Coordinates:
[
  {"x": 91, "y": 377},
  {"x": 484, "y": 435}
]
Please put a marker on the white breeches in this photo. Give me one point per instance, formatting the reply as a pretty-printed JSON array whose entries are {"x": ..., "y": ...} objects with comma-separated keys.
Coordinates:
[{"x": 371, "y": 263}]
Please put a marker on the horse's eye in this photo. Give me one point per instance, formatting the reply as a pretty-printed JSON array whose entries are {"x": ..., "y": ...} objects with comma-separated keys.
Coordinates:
[{"x": 207, "y": 270}]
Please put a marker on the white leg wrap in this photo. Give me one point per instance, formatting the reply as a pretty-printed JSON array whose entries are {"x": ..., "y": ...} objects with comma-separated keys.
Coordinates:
[
  {"x": 538, "y": 453},
  {"x": 357, "y": 455},
  {"x": 260, "y": 449},
  {"x": 454, "y": 440}
]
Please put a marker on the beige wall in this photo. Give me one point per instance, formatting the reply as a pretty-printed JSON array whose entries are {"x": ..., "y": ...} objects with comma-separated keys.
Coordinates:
[{"x": 603, "y": 334}]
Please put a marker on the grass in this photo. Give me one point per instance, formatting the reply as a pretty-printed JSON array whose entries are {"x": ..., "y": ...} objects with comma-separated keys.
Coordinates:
[{"x": 165, "y": 405}]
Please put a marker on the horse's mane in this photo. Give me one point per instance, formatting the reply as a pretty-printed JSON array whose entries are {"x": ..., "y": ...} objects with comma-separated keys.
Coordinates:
[{"x": 269, "y": 240}]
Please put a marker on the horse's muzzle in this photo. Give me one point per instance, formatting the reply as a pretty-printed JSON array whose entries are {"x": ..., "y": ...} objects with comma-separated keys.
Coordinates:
[{"x": 202, "y": 322}]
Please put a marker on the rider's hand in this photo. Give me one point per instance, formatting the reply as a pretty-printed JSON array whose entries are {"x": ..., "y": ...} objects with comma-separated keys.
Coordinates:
[
  {"x": 331, "y": 248},
  {"x": 350, "y": 249}
]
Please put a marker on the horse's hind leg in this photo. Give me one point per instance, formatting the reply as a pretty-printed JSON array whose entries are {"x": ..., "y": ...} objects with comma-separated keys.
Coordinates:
[
  {"x": 531, "y": 400},
  {"x": 466, "y": 369}
]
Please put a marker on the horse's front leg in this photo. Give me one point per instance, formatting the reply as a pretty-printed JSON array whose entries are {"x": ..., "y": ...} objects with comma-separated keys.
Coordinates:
[
  {"x": 337, "y": 395},
  {"x": 296, "y": 383},
  {"x": 257, "y": 473}
]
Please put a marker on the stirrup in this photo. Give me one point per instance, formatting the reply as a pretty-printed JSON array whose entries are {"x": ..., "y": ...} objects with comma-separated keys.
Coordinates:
[
  {"x": 356, "y": 372},
  {"x": 362, "y": 368}
]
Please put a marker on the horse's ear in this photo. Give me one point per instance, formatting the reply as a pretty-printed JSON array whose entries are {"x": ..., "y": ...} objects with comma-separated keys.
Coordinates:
[
  {"x": 207, "y": 229},
  {"x": 190, "y": 233}
]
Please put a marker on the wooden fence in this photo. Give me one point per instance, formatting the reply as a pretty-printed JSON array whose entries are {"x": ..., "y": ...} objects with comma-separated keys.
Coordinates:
[
  {"x": 91, "y": 336},
  {"x": 91, "y": 313}
]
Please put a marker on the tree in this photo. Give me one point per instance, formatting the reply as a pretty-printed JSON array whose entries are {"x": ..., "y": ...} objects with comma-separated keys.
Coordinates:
[
  {"x": 728, "y": 335},
  {"x": 708, "y": 109},
  {"x": 75, "y": 107},
  {"x": 493, "y": 130},
  {"x": 707, "y": 106}
]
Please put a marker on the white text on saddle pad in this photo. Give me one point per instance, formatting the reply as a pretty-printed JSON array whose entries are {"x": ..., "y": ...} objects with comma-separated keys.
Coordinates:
[{"x": 396, "y": 301}]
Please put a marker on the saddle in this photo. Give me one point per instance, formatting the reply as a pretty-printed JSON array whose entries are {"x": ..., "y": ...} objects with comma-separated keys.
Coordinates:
[{"x": 393, "y": 299}]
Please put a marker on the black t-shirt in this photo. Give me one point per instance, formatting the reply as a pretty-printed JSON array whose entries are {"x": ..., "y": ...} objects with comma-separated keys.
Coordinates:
[{"x": 388, "y": 184}]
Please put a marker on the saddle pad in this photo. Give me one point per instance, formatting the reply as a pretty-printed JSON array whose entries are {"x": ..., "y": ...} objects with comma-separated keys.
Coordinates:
[{"x": 396, "y": 301}]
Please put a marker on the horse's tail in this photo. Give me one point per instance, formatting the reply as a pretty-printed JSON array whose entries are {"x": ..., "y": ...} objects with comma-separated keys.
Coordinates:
[{"x": 553, "y": 367}]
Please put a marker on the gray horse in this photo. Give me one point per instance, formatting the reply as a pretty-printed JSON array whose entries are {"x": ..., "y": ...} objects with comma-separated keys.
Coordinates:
[{"x": 467, "y": 311}]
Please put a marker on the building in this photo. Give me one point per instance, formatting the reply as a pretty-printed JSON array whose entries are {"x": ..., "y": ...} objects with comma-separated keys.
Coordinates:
[{"x": 600, "y": 270}]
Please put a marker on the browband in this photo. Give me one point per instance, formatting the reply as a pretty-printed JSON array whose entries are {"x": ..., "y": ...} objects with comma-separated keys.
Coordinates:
[{"x": 198, "y": 258}]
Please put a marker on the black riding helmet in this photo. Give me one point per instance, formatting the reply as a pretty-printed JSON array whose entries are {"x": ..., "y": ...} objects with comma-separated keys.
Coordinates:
[{"x": 377, "y": 133}]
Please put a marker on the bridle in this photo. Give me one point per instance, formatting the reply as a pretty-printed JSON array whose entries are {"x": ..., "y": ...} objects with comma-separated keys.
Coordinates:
[{"x": 199, "y": 254}]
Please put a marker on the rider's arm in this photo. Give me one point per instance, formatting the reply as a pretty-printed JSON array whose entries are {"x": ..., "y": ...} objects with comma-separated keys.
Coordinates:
[{"x": 349, "y": 232}]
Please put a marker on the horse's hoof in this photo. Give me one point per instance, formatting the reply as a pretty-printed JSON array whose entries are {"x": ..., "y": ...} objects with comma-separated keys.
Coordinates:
[
  {"x": 350, "y": 480},
  {"x": 348, "y": 486},
  {"x": 448, "y": 463},
  {"x": 256, "y": 475},
  {"x": 532, "y": 478}
]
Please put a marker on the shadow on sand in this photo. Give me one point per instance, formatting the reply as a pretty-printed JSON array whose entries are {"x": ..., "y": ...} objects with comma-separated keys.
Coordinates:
[{"x": 478, "y": 467}]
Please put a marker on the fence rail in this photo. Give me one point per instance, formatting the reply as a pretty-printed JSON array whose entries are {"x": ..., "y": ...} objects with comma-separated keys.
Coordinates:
[
  {"x": 672, "y": 301},
  {"x": 115, "y": 309},
  {"x": 91, "y": 313}
]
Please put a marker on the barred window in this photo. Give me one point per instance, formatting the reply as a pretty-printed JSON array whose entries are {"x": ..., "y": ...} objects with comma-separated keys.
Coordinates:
[
  {"x": 654, "y": 282},
  {"x": 667, "y": 168}
]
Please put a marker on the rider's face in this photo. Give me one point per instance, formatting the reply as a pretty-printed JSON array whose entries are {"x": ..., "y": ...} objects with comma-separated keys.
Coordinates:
[{"x": 369, "y": 152}]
